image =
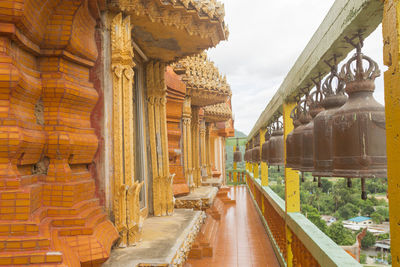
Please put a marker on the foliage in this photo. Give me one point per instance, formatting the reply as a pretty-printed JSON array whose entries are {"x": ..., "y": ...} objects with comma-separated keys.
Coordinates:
[
  {"x": 347, "y": 211},
  {"x": 367, "y": 210},
  {"x": 368, "y": 240},
  {"x": 383, "y": 236},
  {"x": 363, "y": 258},
  {"x": 377, "y": 218},
  {"x": 384, "y": 211},
  {"x": 340, "y": 235},
  {"x": 313, "y": 215}
]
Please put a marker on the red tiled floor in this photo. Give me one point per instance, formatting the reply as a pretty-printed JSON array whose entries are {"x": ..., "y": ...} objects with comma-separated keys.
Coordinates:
[{"x": 242, "y": 240}]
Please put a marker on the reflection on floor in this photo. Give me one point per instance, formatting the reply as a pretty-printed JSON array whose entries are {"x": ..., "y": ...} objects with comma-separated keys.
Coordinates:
[{"x": 242, "y": 240}]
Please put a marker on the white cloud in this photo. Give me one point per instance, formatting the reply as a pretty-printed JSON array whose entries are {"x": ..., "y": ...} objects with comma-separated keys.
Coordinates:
[{"x": 266, "y": 37}]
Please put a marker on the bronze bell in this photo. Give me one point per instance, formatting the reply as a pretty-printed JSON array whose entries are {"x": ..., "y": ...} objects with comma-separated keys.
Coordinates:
[
  {"x": 264, "y": 148},
  {"x": 276, "y": 150},
  {"x": 304, "y": 119},
  {"x": 334, "y": 98},
  {"x": 315, "y": 107},
  {"x": 237, "y": 155},
  {"x": 290, "y": 152},
  {"x": 358, "y": 130},
  {"x": 256, "y": 153},
  {"x": 249, "y": 152}
]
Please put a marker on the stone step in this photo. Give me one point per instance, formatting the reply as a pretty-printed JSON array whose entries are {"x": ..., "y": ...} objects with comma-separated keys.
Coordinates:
[
  {"x": 87, "y": 229},
  {"x": 79, "y": 220},
  {"x": 24, "y": 243},
  {"x": 29, "y": 257},
  {"x": 18, "y": 228}
]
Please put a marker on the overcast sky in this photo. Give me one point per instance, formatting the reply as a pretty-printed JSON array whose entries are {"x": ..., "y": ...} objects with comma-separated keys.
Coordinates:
[{"x": 266, "y": 37}]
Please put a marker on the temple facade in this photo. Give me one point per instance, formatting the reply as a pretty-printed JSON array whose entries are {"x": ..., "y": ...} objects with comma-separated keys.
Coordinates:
[{"x": 98, "y": 130}]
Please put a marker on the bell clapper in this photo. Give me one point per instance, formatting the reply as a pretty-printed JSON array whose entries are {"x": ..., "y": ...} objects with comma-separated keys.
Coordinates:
[
  {"x": 363, "y": 192},
  {"x": 349, "y": 183}
]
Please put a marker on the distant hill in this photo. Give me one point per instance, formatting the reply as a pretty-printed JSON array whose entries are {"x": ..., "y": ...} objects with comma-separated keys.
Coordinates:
[{"x": 239, "y": 134}]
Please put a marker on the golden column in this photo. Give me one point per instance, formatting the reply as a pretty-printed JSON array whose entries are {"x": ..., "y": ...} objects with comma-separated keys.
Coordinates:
[
  {"x": 292, "y": 184},
  {"x": 208, "y": 149},
  {"x": 203, "y": 150},
  {"x": 125, "y": 190},
  {"x": 187, "y": 141},
  {"x": 391, "y": 58},
  {"x": 157, "y": 98},
  {"x": 264, "y": 165},
  {"x": 196, "y": 146}
]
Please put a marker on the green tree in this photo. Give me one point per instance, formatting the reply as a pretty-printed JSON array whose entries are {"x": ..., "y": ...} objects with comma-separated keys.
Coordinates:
[
  {"x": 340, "y": 235},
  {"x": 316, "y": 219},
  {"x": 363, "y": 258},
  {"x": 384, "y": 211},
  {"x": 367, "y": 210},
  {"x": 377, "y": 218},
  {"x": 383, "y": 236},
  {"x": 347, "y": 211},
  {"x": 368, "y": 240},
  {"x": 326, "y": 185}
]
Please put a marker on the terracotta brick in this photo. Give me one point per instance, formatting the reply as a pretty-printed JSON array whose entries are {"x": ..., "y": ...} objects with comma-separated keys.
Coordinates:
[{"x": 37, "y": 259}]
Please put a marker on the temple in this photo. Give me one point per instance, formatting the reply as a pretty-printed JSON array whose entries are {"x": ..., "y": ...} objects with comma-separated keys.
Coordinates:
[{"x": 113, "y": 129}]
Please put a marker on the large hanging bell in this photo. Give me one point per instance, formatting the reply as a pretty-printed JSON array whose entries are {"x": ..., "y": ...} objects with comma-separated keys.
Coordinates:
[
  {"x": 276, "y": 149},
  {"x": 304, "y": 119},
  {"x": 264, "y": 148},
  {"x": 237, "y": 155},
  {"x": 333, "y": 99},
  {"x": 358, "y": 130},
  {"x": 315, "y": 107},
  {"x": 256, "y": 152},
  {"x": 290, "y": 147}
]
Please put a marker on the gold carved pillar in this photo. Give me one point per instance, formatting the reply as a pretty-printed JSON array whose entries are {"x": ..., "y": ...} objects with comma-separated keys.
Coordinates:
[
  {"x": 157, "y": 98},
  {"x": 203, "y": 149},
  {"x": 125, "y": 190},
  {"x": 208, "y": 149},
  {"x": 187, "y": 141},
  {"x": 196, "y": 146}
]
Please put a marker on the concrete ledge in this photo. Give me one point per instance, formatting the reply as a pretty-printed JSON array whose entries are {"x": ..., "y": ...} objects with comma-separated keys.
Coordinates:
[
  {"x": 200, "y": 198},
  {"x": 165, "y": 241}
]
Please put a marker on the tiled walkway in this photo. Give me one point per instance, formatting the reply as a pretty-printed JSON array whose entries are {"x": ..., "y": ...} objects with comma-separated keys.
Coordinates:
[{"x": 242, "y": 240}]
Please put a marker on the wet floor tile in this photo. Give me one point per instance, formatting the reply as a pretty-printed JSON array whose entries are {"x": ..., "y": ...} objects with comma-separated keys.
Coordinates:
[{"x": 242, "y": 240}]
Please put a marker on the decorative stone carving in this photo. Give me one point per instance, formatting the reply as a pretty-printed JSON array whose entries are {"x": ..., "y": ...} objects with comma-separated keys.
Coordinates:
[
  {"x": 204, "y": 83},
  {"x": 156, "y": 94},
  {"x": 125, "y": 191}
]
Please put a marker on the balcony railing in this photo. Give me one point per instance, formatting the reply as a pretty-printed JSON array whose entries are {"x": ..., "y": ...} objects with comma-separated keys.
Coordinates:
[
  {"x": 235, "y": 177},
  {"x": 293, "y": 236}
]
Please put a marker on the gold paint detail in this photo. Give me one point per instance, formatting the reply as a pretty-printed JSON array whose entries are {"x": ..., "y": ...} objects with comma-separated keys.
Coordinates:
[
  {"x": 200, "y": 18},
  {"x": 126, "y": 206},
  {"x": 162, "y": 180},
  {"x": 204, "y": 83},
  {"x": 391, "y": 58}
]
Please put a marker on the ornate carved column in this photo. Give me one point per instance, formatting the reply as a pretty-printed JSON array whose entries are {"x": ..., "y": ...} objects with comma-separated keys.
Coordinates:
[
  {"x": 162, "y": 181},
  {"x": 125, "y": 190},
  {"x": 203, "y": 150},
  {"x": 187, "y": 141},
  {"x": 208, "y": 149},
  {"x": 196, "y": 146}
]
